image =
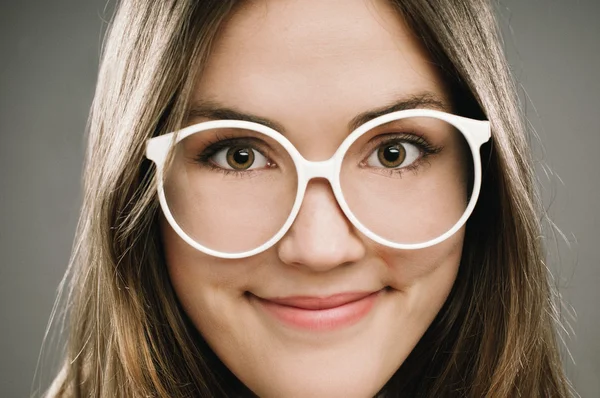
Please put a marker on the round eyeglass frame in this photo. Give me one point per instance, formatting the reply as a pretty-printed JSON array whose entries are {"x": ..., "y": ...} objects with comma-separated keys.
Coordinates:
[{"x": 475, "y": 132}]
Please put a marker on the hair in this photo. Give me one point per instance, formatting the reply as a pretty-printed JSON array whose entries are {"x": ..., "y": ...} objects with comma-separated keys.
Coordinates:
[{"x": 128, "y": 336}]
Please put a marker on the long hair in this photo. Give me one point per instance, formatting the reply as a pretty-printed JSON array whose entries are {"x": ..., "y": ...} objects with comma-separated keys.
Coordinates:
[{"x": 127, "y": 334}]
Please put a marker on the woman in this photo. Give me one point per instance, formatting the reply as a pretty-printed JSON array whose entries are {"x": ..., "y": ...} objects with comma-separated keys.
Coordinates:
[{"x": 335, "y": 221}]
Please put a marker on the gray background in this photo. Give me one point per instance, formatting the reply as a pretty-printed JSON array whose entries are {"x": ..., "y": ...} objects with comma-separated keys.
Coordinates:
[{"x": 49, "y": 54}]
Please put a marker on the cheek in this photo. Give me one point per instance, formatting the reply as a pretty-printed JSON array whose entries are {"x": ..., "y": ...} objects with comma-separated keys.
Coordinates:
[
  {"x": 204, "y": 285},
  {"x": 189, "y": 280},
  {"x": 426, "y": 276}
]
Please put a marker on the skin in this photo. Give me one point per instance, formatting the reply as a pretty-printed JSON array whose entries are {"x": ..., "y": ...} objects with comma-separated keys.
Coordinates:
[{"x": 308, "y": 64}]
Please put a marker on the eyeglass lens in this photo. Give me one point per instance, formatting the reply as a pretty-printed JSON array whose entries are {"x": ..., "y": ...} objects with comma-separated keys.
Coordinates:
[{"x": 231, "y": 190}]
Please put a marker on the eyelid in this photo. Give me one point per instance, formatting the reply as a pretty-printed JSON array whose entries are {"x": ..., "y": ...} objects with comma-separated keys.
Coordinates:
[
  {"x": 385, "y": 138},
  {"x": 219, "y": 144},
  {"x": 224, "y": 153},
  {"x": 275, "y": 160}
]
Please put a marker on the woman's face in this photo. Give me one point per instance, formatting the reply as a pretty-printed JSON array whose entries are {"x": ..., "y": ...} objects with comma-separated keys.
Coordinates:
[{"x": 280, "y": 320}]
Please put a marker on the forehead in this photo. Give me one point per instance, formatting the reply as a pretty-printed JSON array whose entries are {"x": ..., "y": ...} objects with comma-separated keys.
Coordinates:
[{"x": 313, "y": 64}]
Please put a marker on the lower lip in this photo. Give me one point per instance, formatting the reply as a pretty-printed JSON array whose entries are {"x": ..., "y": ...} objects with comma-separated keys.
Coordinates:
[{"x": 321, "y": 320}]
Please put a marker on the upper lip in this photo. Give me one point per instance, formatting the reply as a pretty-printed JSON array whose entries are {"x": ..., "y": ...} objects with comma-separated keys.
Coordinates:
[{"x": 319, "y": 303}]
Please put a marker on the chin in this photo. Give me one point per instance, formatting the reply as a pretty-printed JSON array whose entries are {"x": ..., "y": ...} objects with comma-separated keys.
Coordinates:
[{"x": 317, "y": 384}]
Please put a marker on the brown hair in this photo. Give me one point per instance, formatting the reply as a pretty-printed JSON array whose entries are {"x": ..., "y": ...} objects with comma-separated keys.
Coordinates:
[{"x": 128, "y": 336}]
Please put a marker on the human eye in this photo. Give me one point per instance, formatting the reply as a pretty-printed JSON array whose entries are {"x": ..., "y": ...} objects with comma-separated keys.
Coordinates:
[
  {"x": 236, "y": 155},
  {"x": 396, "y": 153}
]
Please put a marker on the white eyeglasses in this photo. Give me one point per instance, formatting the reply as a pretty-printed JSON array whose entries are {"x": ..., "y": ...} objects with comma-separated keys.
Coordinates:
[{"x": 407, "y": 180}]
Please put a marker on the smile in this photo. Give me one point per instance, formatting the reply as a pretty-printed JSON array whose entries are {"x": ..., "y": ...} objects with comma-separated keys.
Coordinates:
[{"x": 320, "y": 313}]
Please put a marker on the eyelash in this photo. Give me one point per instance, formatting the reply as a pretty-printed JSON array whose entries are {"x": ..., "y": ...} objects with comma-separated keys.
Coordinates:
[
  {"x": 425, "y": 147},
  {"x": 222, "y": 141}
]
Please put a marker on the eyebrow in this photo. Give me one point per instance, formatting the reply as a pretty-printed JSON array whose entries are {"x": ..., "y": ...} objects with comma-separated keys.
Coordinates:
[{"x": 215, "y": 111}]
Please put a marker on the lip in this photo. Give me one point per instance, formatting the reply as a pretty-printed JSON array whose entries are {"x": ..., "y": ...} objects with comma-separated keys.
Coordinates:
[{"x": 320, "y": 313}]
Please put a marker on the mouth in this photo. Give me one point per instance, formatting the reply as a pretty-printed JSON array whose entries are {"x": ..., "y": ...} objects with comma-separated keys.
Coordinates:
[{"x": 312, "y": 313}]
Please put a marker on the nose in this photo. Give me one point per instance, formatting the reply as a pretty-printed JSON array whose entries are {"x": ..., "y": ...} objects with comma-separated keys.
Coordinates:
[{"x": 321, "y": 237}]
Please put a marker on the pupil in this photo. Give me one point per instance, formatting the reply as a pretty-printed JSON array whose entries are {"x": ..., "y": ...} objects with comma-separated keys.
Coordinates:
[
  {"x": 391, "y": 153},
  {"x": 240, "y": 158}
]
